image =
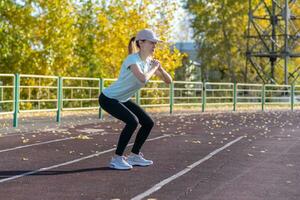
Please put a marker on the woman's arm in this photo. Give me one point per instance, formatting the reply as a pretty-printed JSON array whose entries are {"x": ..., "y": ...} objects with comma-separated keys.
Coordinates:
[
  {"x": 163, "y": 74},
  {"x": 140, "y": 75}
]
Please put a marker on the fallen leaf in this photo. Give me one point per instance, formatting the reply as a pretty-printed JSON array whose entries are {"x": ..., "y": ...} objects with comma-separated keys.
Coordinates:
[
  {"x": 196, "y": 142},
  {"x": 290, "y": 165},
  {"x": 25, "y": 140},
  {"x": 83, "y": 137}
]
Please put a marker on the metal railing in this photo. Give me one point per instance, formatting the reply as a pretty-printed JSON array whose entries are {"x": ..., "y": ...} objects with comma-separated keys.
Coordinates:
[
  {"x": 37, "y": 93},
  {"x": 7, "y": 93},
  {"x": 21, "y": 93},
  {"x": 80, "y": 93},
  {"x": 187, "y": 93},
  {"x": 218, "y": 94}
]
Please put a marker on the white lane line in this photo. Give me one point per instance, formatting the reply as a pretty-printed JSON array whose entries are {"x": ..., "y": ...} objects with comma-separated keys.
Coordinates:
[
  {"x": 70, "y": 162},
  {"x": 36, "y": 131},
  {"x": 184, "y": 171},
  {"x": 41, "y": 143}
]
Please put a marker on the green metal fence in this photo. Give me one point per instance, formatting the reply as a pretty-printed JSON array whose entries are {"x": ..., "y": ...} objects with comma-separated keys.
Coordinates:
[
  {"x": 1, "y": 95},
  {"x": 296, "y": 95},
  {"x": 278, "y": 94},
  {"x": 249, "y": 94},
  {"x": 186, "y": 93},
  {"x": 7, "y": 82},
  {"x": 219, "y": 93},
  {"x": 21, "y": 93},
  {"x": 77, "y": 93},
  {"x": 37, "y": 93},
  {"x": 80, "y": 93},
  {"x": 154, "y": 94}
]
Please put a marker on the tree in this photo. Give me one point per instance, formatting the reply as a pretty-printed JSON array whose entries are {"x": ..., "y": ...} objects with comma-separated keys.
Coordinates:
[
  {"x": 121, "y": 20},
  {"x": 219, "y": 28},
  {"x": 79, "y": 38},
  {"x": 15, "y": 34}
]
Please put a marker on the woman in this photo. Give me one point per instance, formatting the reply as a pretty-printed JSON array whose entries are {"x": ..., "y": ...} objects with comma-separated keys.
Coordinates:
[{"x": 135, "y": 72}]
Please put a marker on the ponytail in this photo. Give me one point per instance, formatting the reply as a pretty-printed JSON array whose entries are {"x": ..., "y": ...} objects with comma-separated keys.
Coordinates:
[{"x": 132, "y": 46}]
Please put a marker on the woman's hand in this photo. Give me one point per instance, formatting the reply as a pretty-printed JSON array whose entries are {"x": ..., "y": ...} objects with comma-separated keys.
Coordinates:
[
  {"x": 155, "y": 63},
  {"x": 161, "y": 72}
]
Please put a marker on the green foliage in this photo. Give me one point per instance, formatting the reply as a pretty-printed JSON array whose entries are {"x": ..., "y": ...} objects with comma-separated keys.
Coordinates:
[{"x": 220, "y": 29}]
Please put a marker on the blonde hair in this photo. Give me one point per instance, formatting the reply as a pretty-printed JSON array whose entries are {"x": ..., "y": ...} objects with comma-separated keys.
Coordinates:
[{"x": 133, "y": 46}]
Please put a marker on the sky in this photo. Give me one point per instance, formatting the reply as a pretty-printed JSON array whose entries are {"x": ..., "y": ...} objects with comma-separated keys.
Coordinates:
[{"x": 182, "y": 22}]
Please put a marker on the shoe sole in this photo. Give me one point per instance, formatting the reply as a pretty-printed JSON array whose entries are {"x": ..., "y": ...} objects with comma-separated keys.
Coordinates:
[
  {"x": 118, "y": 168},
  {"x": 138, "y": 164}
]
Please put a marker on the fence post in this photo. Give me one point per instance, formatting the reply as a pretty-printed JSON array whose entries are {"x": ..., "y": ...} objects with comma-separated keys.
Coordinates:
[
  {"x": 263, "y": 97},
  {"x": 59, "y": 98},
  {"x": 16, "y": 99},
  {"x": 101, "y": 85},
  {"x": 234, "y": 96},
  {"x": 292, "y": 96},
  {"x": 138, "y": 97},
  {"x": 1, "y": 95},
  {"x": 203, "y": 96},
  {"x": 171, "y": 97}
]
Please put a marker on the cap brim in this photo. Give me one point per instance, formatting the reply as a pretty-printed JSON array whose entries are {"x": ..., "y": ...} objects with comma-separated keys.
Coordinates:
[{"x": 156, "y": 40}]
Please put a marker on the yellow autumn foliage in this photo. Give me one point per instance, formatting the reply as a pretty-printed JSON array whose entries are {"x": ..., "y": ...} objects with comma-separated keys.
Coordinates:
[{"x": 79, "y": 38}]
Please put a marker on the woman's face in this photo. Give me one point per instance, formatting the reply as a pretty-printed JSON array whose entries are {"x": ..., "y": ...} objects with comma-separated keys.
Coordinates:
[{"x": 148, "y": 46}]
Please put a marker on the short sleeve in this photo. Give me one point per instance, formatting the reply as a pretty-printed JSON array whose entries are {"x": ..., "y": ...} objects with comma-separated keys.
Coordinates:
[{"x": 130, "y": 60}]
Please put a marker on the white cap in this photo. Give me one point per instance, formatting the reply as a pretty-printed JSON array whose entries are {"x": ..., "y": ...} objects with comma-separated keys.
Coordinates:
[{"x": 147, "y": 34}]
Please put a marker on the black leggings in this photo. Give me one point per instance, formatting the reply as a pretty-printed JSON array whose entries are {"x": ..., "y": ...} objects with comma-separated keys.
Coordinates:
[{"x": 131, "y": 114}]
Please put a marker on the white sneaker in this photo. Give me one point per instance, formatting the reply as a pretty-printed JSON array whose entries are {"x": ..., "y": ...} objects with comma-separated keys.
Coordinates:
[
  {"x": 139, "y": 160},
  {"x": 119, "y": 162}
]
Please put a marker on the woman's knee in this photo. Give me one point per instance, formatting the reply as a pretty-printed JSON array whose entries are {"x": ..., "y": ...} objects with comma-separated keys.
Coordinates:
[
  {"x": 132, "y": 122},
  {"x": 148, "y": 123}
]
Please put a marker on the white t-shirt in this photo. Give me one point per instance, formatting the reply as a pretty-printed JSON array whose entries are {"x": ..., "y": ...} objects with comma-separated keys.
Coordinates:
[{"x": 127, "y": 84}]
